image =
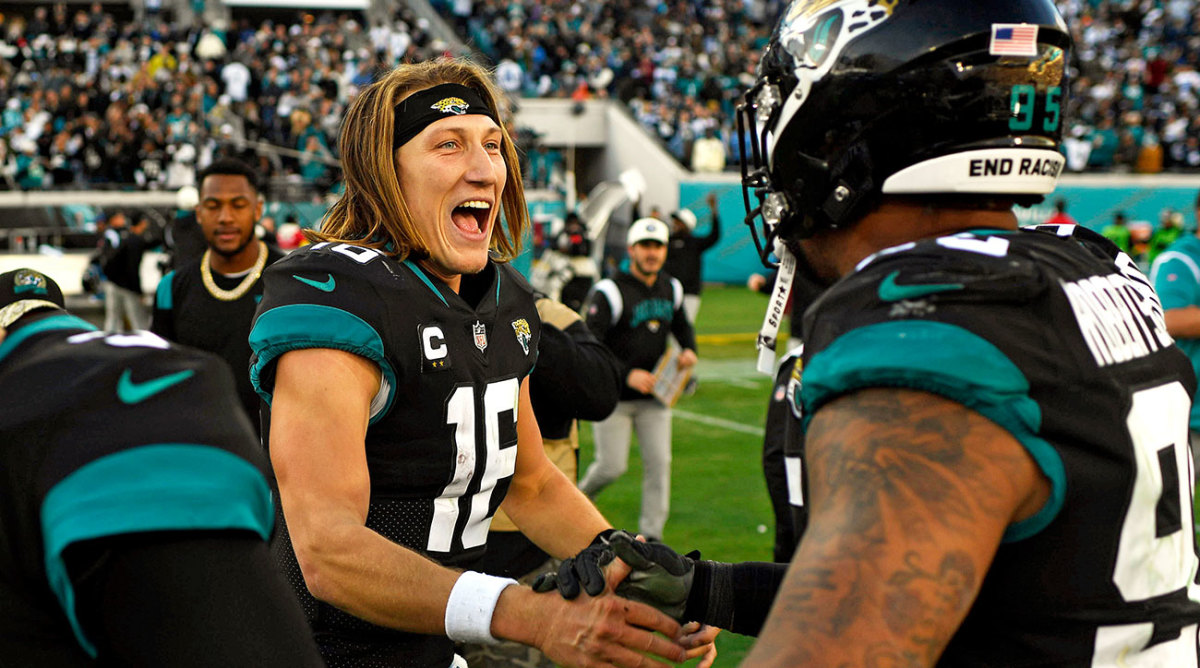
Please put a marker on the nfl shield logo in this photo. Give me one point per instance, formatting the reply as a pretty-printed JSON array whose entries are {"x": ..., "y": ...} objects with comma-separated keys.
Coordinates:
[{"x": 480, "y": 335}]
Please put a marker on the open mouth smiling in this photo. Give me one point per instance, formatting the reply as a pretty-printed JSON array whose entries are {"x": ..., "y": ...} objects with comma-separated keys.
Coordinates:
[{"x": 472, "y": 216}]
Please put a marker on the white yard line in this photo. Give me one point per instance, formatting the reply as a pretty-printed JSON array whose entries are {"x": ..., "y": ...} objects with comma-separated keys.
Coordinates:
[
  {"x": 738, "y": 382},
  {"x": 741, "y": 369},
  {"x": 718, "y": 422}
]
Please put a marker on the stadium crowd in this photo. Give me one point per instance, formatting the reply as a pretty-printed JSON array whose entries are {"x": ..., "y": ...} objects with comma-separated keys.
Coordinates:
[
  {"x": 682, "y": 65},
  {"x": 96, "y": 101},
  {"x": 93, "y": 101}
]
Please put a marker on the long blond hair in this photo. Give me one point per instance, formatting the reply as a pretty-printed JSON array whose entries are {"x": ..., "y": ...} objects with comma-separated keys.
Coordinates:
[{"x": 373, "y": 211}]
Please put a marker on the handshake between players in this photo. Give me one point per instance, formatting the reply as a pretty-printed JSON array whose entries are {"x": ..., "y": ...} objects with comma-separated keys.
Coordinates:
[{"x": 656, "y": 575}]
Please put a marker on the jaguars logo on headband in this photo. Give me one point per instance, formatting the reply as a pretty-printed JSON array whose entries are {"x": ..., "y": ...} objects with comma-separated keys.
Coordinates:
[
  {"x": 451, "y": 105},
  {"x": 524, "y": 336}
]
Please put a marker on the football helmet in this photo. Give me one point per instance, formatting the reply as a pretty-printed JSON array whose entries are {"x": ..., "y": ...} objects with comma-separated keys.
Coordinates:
[{"x": 860, "y": 98}]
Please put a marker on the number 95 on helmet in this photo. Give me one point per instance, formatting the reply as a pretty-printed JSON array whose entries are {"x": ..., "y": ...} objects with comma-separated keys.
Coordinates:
[{"x": 857, "y": 99}]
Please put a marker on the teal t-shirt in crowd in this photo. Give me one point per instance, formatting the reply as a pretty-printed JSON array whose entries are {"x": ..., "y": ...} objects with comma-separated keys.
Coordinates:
[{"x": 1176, "y": 277}]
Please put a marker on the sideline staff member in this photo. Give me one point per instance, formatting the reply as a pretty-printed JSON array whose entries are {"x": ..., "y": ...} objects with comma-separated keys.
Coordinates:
[{"x": 632, "y": 313}]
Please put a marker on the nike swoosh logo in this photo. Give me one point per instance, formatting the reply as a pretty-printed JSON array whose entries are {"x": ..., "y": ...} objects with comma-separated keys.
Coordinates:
[
  {"x": 324, "y": 286},
  {"x": 130, "y": 392},
  {"x": 890, "y": 291}
]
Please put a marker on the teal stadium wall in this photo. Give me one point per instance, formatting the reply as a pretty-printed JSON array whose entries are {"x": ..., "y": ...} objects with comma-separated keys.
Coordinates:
[{"x": 733, "y": 259}]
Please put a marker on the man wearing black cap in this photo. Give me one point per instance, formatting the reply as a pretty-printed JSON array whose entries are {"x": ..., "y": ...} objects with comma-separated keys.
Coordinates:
[
  {"x": 121, "y": 260},
  {"x": 134, "y": 512},
  {"x": 685, "y": 251}
]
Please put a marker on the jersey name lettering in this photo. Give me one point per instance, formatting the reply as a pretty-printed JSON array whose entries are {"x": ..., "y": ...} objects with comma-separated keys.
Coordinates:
[{"x": 1117, "y": 319}]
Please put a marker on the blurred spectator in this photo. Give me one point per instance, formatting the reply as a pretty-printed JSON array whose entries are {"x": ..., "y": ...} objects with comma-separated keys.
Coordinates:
[
  {"x": 1168, "y": 231},
  {"x": 708, "y": 153},
  {"x": 685, "y": 252},
  {"x": 545, "y": 166},
  {"x": 121, "y": 262},
  {"x": 573, "y": 241},
  {"x": 1176, "y": 278},
  {"x": 1060, "y": 217},
  {"x": 1118, "y": 232}
]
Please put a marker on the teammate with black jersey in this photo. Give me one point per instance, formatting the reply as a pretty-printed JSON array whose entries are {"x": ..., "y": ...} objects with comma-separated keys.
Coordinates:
[
  {"x": 210, "y": 302},
  {"x": 134, "y": 507},
  {"x": 394, "y": 355},
  {"x": 995, "y": 420}
]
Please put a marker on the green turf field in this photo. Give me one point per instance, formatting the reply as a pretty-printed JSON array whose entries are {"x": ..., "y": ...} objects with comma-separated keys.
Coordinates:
[{"x": 719, "y": 501}]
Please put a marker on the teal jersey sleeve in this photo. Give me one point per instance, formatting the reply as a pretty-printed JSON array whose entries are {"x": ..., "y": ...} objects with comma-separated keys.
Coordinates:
[
  {"x": 959, "y": 318},
  {"x": 323, "y": 296},
  {"x": 942, "y": 359},
  {"x": 1176, "y": 277},
  {"x": 163, "y": 298},
  {"x": 123, "y": 434},
  {"x": 160, "y": 487}
]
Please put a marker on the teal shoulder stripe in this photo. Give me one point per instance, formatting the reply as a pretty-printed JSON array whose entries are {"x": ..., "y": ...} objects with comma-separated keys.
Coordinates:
[
  {"x": 416, "y": 269},
  {"x": 164, "y": 487},
  {"x": 163, "y": 299},
  {"x": 299, "y": 326},
  {"x": 946, "y": 360},
  {"x": 498, "y": 275},
  {"x": 63, "y": 321}
]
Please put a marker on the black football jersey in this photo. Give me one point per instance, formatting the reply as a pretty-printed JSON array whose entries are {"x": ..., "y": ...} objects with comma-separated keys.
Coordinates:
[
  {"x": 783, "y": 457},
  {"x": 99, "y": 437},
  {"x": 634, "y": 320},
  {"x": 185, "y": 312},
  {"x": 1054, "y": 335},
  {"x": 441, "y": 442}
]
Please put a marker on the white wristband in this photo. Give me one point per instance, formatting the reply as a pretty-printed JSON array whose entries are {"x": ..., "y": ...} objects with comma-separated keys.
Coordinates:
[{"x": 470, "y": 606}]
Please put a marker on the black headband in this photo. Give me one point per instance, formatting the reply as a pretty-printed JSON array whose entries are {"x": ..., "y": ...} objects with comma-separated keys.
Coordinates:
[{"x": 417, "y": 111}]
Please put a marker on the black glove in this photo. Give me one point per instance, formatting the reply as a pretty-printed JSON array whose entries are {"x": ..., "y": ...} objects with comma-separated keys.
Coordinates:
[
  {"x": 661, "y": 577},
  {"x": 587, "y": 568}
]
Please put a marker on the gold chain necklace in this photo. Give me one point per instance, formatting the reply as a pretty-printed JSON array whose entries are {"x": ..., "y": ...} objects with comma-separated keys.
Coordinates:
[{"x": 243, "y": 287}]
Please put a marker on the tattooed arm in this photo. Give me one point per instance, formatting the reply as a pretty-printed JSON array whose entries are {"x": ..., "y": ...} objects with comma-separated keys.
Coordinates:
[{"x": 910, "y": 494}]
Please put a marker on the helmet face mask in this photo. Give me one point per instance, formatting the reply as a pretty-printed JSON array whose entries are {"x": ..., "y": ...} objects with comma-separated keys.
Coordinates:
[{"x": 856, "y": 99}]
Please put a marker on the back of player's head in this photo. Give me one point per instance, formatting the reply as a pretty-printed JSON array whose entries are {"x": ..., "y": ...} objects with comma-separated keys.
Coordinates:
[
  {"x": 373, "y": 209},
  {"x": 229, "y": 167},
  {"x": 25, "y": 290},
  {"x": 858, "y": 99}
]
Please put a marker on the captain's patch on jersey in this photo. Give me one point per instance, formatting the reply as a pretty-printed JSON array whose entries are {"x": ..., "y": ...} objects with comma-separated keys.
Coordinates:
[
  {"x": 435, "y": 354},
  {"x": 524, "y": 336}
]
